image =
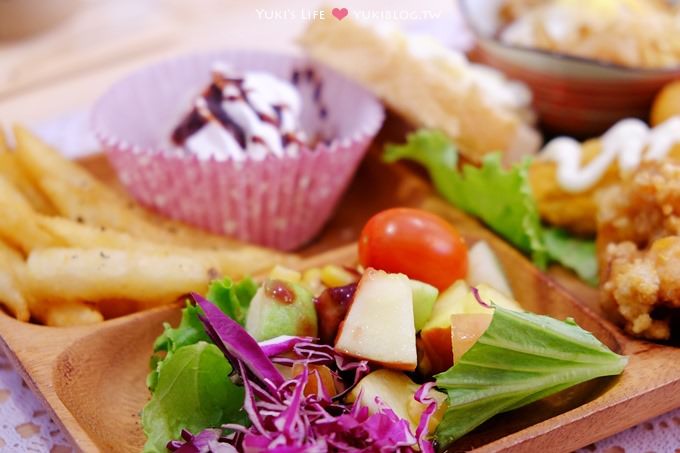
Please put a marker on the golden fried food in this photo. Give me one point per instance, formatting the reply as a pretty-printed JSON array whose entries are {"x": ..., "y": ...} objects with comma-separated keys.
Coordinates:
[
  {"x": 666, "y": 104},
  {"x": 11, "y": 294},
  {"x": 573, "y": 211},
  {"x": 638, "y": 243},
  {"x": 78, "y": 195},
  {"x": 18, "y": 220},
  {"x": 576, "y": 210},
  {"x": 4, "y": 148},
  {"x": 74, "y": 251},
  {"x": 430, "y": 86},
  {"x": 12, "y": 171},
  {"x": 68, "y": 314},
  {"x": 65, "y": 275},
  {"x": 237, "y": 262},
  {"x": 633, "y": 33}
]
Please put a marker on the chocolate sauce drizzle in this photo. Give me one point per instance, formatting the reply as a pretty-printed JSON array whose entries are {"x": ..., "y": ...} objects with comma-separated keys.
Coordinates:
[{"x": 213, "y": 98}]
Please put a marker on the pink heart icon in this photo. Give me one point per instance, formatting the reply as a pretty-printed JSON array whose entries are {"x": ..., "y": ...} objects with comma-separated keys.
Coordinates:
[{"x": 340, "y": 13}]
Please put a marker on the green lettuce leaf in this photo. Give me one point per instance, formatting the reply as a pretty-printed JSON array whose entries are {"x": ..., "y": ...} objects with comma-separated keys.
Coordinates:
[
  {"x": 574, "y": 253},
  {"x": 500, "y": 198},
  {"x": 194, "y": 392},
  {"x": 232, "y": 298},
  {"x": 521, "y": 358}
]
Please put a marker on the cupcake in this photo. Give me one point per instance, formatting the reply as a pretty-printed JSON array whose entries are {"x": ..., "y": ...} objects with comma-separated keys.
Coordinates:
[{"x": 257, "y": 146}]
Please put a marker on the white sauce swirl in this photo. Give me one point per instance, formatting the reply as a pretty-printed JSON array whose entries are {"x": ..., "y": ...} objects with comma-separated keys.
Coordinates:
[{"x": 627, "y": 144}]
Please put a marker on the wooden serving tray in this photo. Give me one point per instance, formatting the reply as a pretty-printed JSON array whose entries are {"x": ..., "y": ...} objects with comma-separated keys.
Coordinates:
[{"x": 93, "y": 377}]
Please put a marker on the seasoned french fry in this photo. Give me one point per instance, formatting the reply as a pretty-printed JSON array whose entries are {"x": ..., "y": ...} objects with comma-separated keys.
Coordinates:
[
  {"x": 78, "y": 195},
  {"x": 11, "y": 295},
  {"x": 11, "y": 252},
  {"x": 234, "y": 263},
  {"x": 74, "y": 234},
  {"x": 70, "y": 314},
  {"x": 3, "y": 140},
  {"x": 75, "y": 193},
  {"x": 64, "y": 275},
  {"x": 17, "y": 221},
  {"x": 10, "y": 169}
]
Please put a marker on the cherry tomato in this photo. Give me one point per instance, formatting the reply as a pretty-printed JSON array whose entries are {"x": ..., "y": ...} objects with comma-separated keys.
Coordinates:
[{"x": 416, "y": 243}]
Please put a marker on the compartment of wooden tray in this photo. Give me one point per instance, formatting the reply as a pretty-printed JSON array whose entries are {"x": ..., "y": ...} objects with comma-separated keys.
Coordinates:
[{"x": 93, "y": 378}]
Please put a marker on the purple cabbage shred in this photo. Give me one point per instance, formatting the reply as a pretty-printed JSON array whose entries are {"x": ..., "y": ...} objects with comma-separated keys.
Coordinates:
[{"x": 286, "y": 420}]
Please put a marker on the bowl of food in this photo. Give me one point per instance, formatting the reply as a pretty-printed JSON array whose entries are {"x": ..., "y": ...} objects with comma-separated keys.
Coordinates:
[
  {"x": 258, "y": 146},
  {"x": 588, "y": 64}
]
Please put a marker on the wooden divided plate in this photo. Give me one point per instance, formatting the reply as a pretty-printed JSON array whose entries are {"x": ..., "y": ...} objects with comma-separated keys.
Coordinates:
[{"x": 93, "y": 378}]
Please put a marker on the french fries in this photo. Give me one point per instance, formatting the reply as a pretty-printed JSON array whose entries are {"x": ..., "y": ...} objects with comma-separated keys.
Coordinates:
[
  {"x": 17, "y": 298},
  {"x": 11, "y": 294},
  {"x": 75, "y": 251},
  {"x": 67, "y": 275},
  {"x": 69, "y": 314},
  {"x": 12, "y": 171},
  {"x": 17, "y": 221},
  {"x": 75, "y": 193},
  {"x": 78, "y": 195},
  {"x": 235, "y": 263},
  {"x": 3, "y": 141}
]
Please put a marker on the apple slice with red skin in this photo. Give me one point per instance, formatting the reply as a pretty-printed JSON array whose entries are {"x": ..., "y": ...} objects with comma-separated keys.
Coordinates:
[
  {"x": 466, "y": 329},
  {"x": 331, "y": 308},
  {"x": 379, "y": 325},
  {"x": 458, "y": 299}
]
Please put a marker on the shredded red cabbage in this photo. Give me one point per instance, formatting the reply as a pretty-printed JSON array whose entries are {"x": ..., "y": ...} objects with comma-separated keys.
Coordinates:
[
  {"x": 283, "y": 418},
  {"x": 478, "y": 297}
]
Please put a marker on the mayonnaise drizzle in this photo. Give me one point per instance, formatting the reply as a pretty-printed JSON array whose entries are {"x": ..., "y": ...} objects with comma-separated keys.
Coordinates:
[{"x": 625, "y": 143}]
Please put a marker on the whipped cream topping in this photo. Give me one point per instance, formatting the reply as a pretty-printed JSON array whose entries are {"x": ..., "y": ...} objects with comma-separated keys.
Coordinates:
[
  {"x": 242, "y": 115},
  {"x": 627, "y": 143}
]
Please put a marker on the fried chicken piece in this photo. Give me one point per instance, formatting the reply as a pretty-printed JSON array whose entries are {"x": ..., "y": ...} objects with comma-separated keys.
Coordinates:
[
  {"x": 639, "y": 249},
  {"x": 576, "y": 212},
  {"x": 573, "y": 211}
]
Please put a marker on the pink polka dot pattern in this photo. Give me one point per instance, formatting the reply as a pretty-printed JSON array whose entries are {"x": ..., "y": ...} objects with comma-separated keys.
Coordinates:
[{"x": 276, "y": 202}]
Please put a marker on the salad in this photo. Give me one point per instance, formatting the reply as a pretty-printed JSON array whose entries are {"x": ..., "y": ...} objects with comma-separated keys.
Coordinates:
[
  {"x": 409, "y": 351},
  {"x": 502, "y": 198}
]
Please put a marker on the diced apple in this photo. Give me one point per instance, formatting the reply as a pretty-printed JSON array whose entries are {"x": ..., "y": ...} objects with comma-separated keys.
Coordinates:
[
  {"x": 484, "y": 268},
  {"x": 492, "y": 295},
  {"x": 331, "y": 309},
  {"x": 379, "y": 325},
  {"x": 396, "y": 391},
  {"x": 436, "y": 334},
  {"x": 424, "y": 297},
  {"x": 318, "y": 374},
  {"x": 466, "y": 329},
  {"x": 416, "y": 409}
]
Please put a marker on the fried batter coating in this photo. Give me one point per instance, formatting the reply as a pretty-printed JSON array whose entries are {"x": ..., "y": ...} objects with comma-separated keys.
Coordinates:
[
  {"x": 573, "y": 211},
  {"x": 639, "y": 248}
]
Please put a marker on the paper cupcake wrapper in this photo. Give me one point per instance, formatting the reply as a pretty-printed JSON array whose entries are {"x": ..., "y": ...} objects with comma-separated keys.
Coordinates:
[{"x": 275, "y": 202}]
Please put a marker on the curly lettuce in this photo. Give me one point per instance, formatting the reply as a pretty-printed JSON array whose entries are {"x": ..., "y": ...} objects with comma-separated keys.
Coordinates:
[{"x": 501, "y": 198}]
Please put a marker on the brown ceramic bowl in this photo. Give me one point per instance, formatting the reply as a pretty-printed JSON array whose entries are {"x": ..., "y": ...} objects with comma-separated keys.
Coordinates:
[
  {"x": 21, "y": 18},
  {"x": 573, "y": 96}
]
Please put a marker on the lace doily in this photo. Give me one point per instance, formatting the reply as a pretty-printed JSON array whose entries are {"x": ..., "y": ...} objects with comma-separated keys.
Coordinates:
[{"x": 25, "y": 425}]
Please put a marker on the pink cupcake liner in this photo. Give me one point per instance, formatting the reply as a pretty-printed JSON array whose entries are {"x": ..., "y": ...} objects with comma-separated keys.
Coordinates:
[{"x": 275, "y": 202}]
